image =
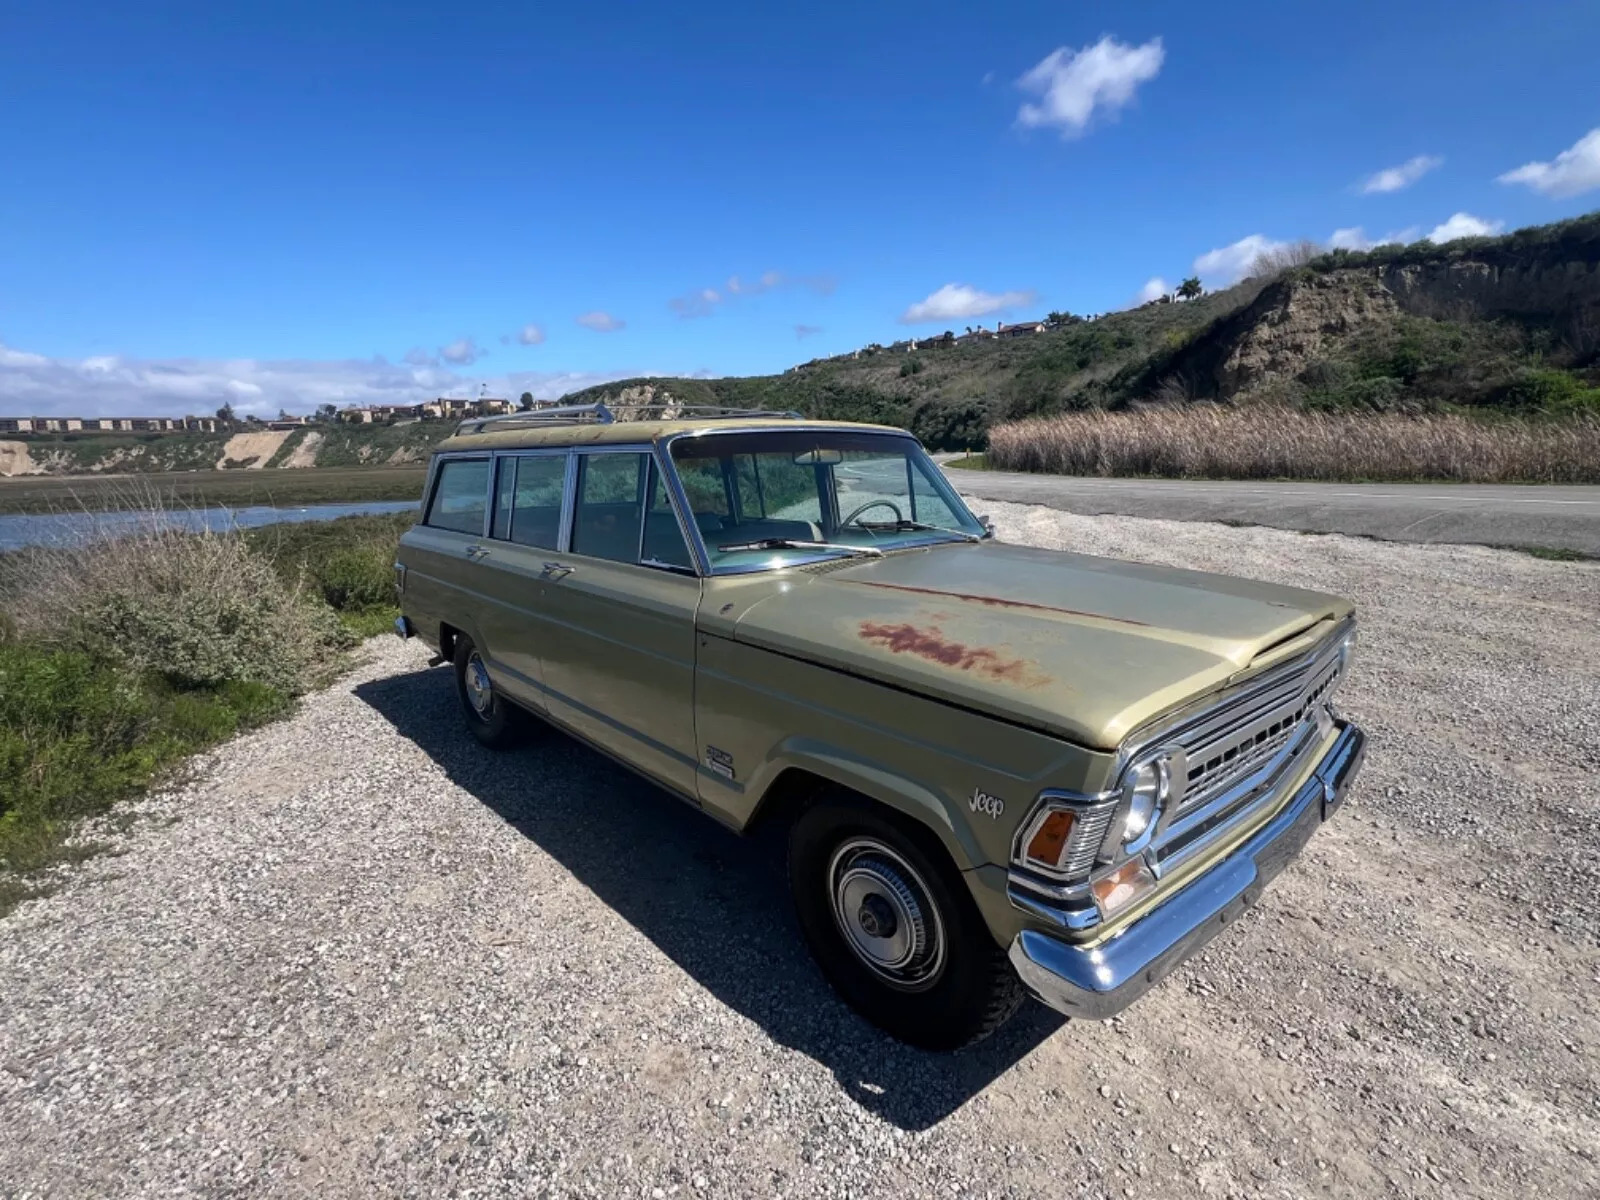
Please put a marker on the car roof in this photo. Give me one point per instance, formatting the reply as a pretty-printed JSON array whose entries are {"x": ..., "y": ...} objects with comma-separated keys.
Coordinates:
[{"x": 623, "y": 432}]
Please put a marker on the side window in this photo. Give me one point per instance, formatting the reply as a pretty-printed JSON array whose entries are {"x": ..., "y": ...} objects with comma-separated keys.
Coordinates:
[
  {"x": 536, "y": 510},
  {"x": 461, "y": 496},
  {"x": 610, "y": 508},
  {"x": 663, "y": 540}
]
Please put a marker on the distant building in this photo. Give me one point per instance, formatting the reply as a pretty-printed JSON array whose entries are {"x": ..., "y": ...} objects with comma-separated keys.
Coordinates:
[{"x": 1022, "y": 329}]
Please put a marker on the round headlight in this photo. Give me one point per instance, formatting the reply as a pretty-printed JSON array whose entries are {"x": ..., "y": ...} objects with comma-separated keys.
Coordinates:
[{"x": 1143, "y": 795}]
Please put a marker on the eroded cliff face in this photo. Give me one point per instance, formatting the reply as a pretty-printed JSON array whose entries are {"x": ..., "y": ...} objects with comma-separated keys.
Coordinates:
[
  {"x": 1293, "y": 324},
  {"x": 1299, "y": 320}
]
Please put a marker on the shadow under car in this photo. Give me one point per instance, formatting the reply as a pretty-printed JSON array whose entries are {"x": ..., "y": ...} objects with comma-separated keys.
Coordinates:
[{"x": 715, "y": 903}]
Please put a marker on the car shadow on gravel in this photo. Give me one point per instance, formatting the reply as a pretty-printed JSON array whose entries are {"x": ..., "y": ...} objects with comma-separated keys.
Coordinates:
[{"x": 715, "y": 903}]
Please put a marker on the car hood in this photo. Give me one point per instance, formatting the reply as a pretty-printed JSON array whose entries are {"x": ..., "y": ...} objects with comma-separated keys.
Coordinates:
[{"x": 1087, "y": 648}]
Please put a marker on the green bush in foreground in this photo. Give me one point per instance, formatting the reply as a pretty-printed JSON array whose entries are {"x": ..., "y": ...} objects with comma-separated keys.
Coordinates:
[{"x": 120, "y": 658}]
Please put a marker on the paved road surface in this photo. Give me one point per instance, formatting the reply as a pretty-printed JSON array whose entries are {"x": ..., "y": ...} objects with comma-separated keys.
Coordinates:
[{"x": 1562, "y": 517}]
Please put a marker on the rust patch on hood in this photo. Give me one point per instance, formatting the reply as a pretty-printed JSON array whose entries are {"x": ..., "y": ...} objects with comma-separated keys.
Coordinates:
[
  {"x": 931, "y": 644},
  {"x": 998, "y": 602}
]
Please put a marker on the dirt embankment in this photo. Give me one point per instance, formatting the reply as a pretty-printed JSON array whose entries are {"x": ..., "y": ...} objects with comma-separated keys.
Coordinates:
[
  {"x": 305, "y": 454},
  {"x": 15, "y": 460},
  {"x": 251, "y": 450}
]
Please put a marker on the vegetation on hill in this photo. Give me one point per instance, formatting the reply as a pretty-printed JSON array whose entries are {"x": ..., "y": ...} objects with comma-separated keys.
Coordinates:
[
  {"x": 120, "y": 657},
  {"x": 1504, "y": 324}
]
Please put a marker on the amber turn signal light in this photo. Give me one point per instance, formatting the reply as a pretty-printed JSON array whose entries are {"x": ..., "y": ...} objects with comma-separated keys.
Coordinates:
[
  {"x": 1049, "y": 841},
  {"x": 1123, "y": 886}
]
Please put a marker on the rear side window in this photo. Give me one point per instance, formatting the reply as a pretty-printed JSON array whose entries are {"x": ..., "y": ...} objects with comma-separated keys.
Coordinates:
[
  {"x": 536, "y": 501},
  {"x": 461, "y": 496}
]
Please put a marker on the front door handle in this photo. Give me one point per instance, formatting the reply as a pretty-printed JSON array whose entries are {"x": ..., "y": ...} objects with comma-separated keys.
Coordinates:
[
  {"x": 476, "y": 552},
  {"x": 554, "y": 568}
]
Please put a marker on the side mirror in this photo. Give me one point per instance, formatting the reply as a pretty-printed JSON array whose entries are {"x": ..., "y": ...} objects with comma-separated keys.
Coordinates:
[{"x": 988, "y": 525}]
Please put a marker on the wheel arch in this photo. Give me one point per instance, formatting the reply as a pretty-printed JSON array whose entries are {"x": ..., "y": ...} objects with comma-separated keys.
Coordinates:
[{"x": 809, "y": 774}]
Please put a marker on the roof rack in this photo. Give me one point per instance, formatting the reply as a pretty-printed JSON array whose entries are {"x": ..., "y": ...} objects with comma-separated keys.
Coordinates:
[{"x": 598, "y": 414}]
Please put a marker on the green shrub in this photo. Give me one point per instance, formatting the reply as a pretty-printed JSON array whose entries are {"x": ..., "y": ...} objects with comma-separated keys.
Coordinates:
[
  {"x": 1551, "y": 391},
  {"x": 78, "y": 732}
]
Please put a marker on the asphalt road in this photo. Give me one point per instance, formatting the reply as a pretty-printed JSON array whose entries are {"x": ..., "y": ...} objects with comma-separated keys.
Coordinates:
[{"x": 1554, "y": 517}]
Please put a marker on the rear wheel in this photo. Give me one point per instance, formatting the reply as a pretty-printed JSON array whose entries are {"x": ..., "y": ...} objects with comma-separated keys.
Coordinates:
[
  {"x": 490, "y": 717},
  {"x": 893, "y": 927}
]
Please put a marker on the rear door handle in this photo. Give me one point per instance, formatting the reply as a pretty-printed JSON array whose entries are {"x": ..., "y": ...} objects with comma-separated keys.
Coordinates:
[
  {"x": 554, "y": 568},
  {"x": 476, "y": 552}
]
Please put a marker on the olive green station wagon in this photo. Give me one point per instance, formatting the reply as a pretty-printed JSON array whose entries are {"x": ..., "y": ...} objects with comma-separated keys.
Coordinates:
[{"x": 1002, "y": 770}]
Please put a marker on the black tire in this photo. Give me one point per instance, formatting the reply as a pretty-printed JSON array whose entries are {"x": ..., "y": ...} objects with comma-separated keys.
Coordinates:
[
  {"x": 491, "y": 718},
  {"x": 953, "y": 985}
]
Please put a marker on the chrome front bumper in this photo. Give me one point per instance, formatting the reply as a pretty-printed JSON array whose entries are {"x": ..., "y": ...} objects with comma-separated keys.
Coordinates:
[{"x": 1100, "y": 981}]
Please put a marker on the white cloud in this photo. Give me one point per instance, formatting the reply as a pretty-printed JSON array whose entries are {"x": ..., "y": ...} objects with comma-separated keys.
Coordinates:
[
  {"x": 601, "y": 322},
  {"x": 1570, "y": 173},
  {"x": 702, "y": 302},
  {"x": 1229, "y": 264},
  {"x": 463, "y": 352},
  {"x": 1073, "y": 84},
  {"x": 1354, "y": 238},
  {"x": 530, "y": 335},
  {"x": 1463, "y": 225},
  {"x": 1153, "y": 289},
  {"x": 804, "y": 331},
  {"x": 957, "y": 301},
  {"x": 696, "y": 304},
  {"x": 36, "y": 385},
  {"x": 1394, "y": 179},
  {"x": 418, "y": 357}
]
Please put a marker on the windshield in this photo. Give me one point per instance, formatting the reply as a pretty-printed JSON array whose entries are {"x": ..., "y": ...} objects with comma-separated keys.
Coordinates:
[{"x": 768, "y": 500}]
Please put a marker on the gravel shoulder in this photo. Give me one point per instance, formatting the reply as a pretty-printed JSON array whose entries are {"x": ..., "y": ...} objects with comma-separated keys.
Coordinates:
[{"x": 356, "y": 954}]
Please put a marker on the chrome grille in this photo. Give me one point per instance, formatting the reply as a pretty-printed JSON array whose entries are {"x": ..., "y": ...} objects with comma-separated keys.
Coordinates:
[{"x": 1223, "y": 759}]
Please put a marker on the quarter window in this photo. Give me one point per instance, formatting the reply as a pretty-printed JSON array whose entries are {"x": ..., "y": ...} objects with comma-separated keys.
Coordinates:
[{"x": 461, "y": 496}]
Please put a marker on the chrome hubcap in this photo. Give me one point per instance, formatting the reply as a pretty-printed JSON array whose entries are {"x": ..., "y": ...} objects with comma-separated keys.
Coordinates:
[
  {"x": 883, "y": 909},
  {"x": 480, "y": 692}
]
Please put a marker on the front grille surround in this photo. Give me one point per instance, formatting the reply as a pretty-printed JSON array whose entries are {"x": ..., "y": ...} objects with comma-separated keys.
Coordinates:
[{"x": 1235, "y": 753}]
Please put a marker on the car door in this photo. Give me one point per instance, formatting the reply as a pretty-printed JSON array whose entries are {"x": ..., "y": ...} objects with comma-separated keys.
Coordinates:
[
  {"x": 444, "y": 581},
  {"x": 525, "y": 529},
  {"x": 621, "y": 601}
]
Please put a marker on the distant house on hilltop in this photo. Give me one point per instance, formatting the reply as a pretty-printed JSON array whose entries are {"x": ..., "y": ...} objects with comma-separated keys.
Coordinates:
[{"x": 1022, "y": 329}]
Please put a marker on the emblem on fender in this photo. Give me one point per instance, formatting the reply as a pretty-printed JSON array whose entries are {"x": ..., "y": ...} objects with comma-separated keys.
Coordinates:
[{"x": 989, "y": 806}]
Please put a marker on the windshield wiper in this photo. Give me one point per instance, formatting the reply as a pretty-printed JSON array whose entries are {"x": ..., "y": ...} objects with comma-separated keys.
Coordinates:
[
  {"x": 920, "y": 527},
  {"x": 783, "y": 543}
]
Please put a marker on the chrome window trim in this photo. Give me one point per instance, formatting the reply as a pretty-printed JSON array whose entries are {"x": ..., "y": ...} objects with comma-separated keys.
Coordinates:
[{"x": 697, "y": 545}]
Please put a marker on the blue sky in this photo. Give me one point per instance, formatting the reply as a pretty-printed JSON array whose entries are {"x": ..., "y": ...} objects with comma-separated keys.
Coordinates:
[{"x": 291, "y": 203}]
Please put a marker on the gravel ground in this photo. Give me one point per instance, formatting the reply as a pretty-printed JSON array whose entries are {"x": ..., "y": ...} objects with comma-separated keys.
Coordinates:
[{"x": 356, "y": 954}]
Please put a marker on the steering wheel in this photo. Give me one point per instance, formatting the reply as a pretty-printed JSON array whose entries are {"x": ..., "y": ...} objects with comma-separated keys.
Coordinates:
[{"x": 869, "y": 506}]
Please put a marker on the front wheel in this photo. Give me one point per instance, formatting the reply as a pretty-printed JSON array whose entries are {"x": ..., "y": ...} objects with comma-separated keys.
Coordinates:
[
  {"x": 489, "y": 716},
  {"x": 891, "y": 924}
]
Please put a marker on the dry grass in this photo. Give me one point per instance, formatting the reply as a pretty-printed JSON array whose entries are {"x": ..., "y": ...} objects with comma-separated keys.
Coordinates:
[{"x": 1212, "y": 442}]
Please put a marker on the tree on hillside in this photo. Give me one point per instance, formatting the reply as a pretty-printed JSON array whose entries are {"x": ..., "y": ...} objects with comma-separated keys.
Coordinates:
[
  {"x": 225, "y": 414},
  {"x": 969, "y": 330},
  {"x": 526, "y": 402},
  {"x": 327, "y": 412},
  {"x": 1190, "y": 288}
]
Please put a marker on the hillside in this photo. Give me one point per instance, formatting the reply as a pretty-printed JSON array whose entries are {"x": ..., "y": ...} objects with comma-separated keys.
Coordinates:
[
  {"x": 331, "y": 445},
  {"x": 1510, "y": 323}
]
